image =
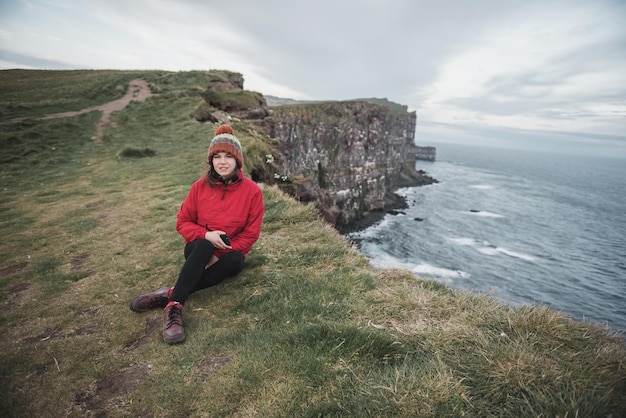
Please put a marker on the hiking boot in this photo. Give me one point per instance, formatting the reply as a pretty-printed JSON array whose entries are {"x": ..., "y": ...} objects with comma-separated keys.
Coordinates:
[
  {"x": 157, "y": 299},
  {"x": 173, "y": 331}
]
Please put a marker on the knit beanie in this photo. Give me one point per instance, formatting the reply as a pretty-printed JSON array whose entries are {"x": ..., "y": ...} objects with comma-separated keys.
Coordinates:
[{"x": 226, "y": 141}]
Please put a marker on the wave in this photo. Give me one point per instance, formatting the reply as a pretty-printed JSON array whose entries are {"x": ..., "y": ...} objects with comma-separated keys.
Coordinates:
[
  {"x": 463, "y": 241},
  {"x": 428, "y": 270},
  {"x": 487, "y": 249},
  {"x": 482, "y": 186},
  {"x": 500, "y": 250},
  {"x": 485, "y": 214},
  {"x": 422, "y": 270}
]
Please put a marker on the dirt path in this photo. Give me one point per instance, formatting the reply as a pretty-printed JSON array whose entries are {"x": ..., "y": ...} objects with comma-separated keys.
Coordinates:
[{"x": 138, "y": 90}]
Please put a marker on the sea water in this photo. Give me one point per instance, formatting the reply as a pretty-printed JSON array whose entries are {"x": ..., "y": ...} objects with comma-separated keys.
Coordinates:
[{"x": 526, "y": 227}]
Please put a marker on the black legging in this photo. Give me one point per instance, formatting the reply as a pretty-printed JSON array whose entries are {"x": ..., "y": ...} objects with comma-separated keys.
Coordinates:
[{"x": 193, "y": 275}]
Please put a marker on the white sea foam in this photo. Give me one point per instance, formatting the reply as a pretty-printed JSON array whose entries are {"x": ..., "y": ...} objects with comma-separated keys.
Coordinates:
[
  {"x": 424, "y": 270},
  {"x": 463, "y": 241},
  {"x": 516, "y": 254},
  {"x": 427, "y": 270},
  {"x": 404, "y": 191},
  {"x": 383, "y": 260},
  {"x": 500, "y": 250},
  {"x": 482, "y": 186},
  {"x": 384, "y": 223},
  {"x": 486, "y": 214},
  {"x": 488, "y": 249}
]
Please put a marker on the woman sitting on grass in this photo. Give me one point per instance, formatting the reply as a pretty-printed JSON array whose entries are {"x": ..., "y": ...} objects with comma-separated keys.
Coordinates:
[{"x": 220, "y": 220}]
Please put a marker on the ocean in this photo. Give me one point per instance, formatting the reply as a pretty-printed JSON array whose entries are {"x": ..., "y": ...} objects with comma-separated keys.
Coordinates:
[{"x": 525, "y": 227}]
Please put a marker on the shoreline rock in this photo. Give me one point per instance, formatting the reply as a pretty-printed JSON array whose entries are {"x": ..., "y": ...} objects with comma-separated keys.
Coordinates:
[{"x": 394, "y": 204}]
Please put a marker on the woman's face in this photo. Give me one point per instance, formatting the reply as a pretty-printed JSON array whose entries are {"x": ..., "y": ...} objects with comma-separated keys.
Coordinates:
[{"x": 224, "y": 164}]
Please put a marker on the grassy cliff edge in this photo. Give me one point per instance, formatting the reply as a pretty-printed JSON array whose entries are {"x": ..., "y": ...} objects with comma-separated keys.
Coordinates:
[{"x": 309, "y": 328}]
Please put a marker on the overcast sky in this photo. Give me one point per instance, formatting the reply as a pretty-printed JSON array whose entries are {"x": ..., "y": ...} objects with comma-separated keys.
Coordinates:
[{"x": 523, "y": 73}]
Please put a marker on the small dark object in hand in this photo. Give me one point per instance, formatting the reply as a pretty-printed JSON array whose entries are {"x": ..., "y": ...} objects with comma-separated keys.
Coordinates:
[{"x": 225, "y": 238}]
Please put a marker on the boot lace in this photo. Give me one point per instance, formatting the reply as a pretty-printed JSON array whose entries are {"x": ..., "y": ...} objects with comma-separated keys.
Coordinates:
[{"x": 174, "y": 316}]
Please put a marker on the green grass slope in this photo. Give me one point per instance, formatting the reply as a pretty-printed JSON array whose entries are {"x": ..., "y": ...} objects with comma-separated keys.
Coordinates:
[{"x": 308, "y": 329}]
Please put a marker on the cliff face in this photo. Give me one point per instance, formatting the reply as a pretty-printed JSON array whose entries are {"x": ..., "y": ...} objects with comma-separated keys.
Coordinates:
[{"x": 355, "y": 152}]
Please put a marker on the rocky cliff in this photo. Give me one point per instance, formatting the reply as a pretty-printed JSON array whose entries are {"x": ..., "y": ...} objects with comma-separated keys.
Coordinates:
[{"x": 355, "y": 152}]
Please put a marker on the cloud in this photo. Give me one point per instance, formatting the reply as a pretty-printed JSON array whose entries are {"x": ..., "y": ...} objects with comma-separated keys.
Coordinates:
[{"x": 549, "y": 69}]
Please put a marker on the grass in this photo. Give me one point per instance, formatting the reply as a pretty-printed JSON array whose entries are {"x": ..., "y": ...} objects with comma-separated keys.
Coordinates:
[
  {"x": 308, "y": 329},
  {"x": 33, "y": 93}
]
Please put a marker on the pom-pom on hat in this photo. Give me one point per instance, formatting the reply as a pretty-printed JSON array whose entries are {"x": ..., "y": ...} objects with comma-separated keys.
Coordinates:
[{"x": 226, "y": 141}]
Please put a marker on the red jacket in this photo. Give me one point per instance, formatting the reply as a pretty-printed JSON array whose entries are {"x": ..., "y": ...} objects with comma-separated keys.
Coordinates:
[{"x": 235, "y": 208}]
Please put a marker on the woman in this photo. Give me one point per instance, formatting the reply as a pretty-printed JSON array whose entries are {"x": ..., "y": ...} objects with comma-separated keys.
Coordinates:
[{"x": 220, "y": 220}]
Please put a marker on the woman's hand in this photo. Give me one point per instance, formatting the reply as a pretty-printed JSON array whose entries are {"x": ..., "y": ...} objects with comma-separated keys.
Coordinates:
[{"x": 214, "y": 238}]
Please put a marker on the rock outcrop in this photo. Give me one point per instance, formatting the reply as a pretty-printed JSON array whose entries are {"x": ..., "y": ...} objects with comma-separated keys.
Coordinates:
[
  {"x": 355, "y": 152},
  {"x": 426, "y": 153},
  {"x": 225, "y": 97}
]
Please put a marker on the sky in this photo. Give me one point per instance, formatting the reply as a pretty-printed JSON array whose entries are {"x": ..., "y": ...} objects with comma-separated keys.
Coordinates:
[{"x": 547, "y": 75}]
